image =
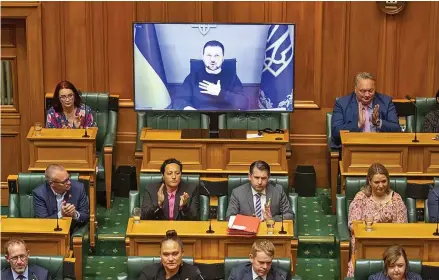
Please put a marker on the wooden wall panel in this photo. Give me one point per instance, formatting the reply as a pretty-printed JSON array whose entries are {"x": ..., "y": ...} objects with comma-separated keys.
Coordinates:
[
  {"x": 120, "y": 16},
  {"x": 334, "y": 41},
  {"x": 76, "y": 38}
]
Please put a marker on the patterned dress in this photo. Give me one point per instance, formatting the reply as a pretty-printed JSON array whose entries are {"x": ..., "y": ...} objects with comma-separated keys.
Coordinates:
[
  {"x": 59, "y": 120},
  {"x": 394, "y": 211},
  {"x": 431, "y": 121}
]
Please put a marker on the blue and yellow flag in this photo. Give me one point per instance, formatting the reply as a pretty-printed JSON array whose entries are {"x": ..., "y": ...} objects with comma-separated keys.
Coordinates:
[
  {"x": 277, "y": 80},
  {"x": 150, "y": 79}
]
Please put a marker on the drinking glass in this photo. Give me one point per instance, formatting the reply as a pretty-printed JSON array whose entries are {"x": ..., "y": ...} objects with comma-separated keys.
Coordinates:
[
  {"x": 38, "y": 128},
  {"x": 369, "y": 222},
  {"x": 136, "y": 215},
  {"x": 270, "y": 226},
  {"x": 403, "y": 127}
]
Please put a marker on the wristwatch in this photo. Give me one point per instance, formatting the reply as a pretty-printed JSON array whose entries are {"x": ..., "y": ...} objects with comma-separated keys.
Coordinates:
[{"x": 378, "y": 123}]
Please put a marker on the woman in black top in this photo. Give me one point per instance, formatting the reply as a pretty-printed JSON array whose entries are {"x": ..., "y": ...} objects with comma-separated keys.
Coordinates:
[{"x": 171, "y": 266}]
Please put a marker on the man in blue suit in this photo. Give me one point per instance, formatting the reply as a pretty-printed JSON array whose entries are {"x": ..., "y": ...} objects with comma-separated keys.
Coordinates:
[
  {"x": 61, "y": 197},
  {"x": 17, "y": 255},
  {"x": 259, "y": 267},
  {"x": 364, "y": 110},
  {"x": 433, "y": 205}
]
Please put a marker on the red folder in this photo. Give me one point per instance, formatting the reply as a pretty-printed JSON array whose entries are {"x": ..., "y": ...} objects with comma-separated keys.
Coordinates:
[{"x": 249, "y": 224}]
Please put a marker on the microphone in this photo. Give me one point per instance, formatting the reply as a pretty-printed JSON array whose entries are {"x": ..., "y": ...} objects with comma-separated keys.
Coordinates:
[
  {"x": 199, "y": 273},
  {"x": 35, "y": 277},
  {"x": 85, "y": 117},
  {"x": 210, "y": 220},
  {"x": 436, "y": 233},
  {"x": 57, "y": 223},
  {"x": 282, "y": 230},
  {"x": 416, "y": 117}
]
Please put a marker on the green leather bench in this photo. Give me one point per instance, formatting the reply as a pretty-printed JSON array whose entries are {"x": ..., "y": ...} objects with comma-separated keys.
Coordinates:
[
  {"x": 135, "y": 265},
  {"x": 21, "y": 206},
  {"x": 282, "y": 263},
  {"x": 168, "y": 121},
  {"x": 53, "y": 264},
  {"x": 365, "y": 268},
  {"x": 105, "y": 109},
  {"x": 136, "y": 197},
  {"x": 353, "y": 185}
]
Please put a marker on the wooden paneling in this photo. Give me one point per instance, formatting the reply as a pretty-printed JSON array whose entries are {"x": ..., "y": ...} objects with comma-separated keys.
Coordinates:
[{"x": 90, "y": 43}]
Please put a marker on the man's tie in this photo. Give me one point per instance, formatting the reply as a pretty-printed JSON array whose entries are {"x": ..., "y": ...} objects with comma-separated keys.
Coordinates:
[
  {"x": 367, "y": 122},
  {"x": 21, "y": 277},
  {"x": 258, "y": 207}
]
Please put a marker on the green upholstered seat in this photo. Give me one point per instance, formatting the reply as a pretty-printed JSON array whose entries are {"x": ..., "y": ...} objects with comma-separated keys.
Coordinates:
[
  {"x": 136, "y": 197},
  {"x": 21, "y": 206},
  {"x": 105, "y": 114},
  {"x": 135, "y": 265},
  {"x": 282, "y": 263},
  {"x": 169, "y": 120},
  {"x": 53, "y": 264},
  {"x": 254, "y": 120},
  {"x": 365, "y": 268},
  {"x": 425, "y": 105}
]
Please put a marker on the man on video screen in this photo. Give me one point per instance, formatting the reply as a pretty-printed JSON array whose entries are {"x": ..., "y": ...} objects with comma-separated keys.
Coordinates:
[{"x": 211, "y": 88}]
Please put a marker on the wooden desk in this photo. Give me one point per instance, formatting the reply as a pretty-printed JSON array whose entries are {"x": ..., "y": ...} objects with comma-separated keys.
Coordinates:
[
  {"x": 143, "y": 239},
  {"x": 212, "y": 156},
  {"x": 417, "y": 240},
  {"x": 39, "y": 235},
  {"x": 396, "y": 151},
  {"x": 75, "y": 153}
]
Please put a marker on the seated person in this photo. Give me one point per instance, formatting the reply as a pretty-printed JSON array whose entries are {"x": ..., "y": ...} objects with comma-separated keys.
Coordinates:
[
  {"x": 432, "y": 204},
  {"x": 395, "y": 266},
  {"x": 431, "y": 121},
  {"x": 364, "y": 110},
  {"x": 171, "y": 266},
  {"x": 376, "y": 200},
  {"x": 259, "y": 267},
  {"x": 211, "y": 88},
  {"x": 61, "y": 197},
  {"x": 68, "y": 109},
  {"x": 17, "y": 255},
  {"x": 171, "y": 199},
  {"x": 260, "y": 197}
]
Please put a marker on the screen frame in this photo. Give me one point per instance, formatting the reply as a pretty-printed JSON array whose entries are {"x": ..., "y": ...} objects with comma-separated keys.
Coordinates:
[{"x": 215, "y": 111}]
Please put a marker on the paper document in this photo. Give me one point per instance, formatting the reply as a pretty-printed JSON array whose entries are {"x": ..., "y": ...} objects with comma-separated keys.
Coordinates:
[
  {"x": 231, "y": 221},
  {"x": 253, "y": 135}
]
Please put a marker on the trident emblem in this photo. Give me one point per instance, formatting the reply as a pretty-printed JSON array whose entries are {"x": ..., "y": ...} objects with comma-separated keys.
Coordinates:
[{"x": 203, "y": 28}]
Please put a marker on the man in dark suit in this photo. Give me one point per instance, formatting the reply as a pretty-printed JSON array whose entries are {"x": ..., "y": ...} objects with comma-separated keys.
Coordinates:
[
  {"x": 171, "y": 199},
  {"x": 364, "y": 110},
  {"x": 61, "y": 197},
  {"x": 432, "y": 203},
  {"x": 17, "y": 256},
  {"x": 259, "y": 267},
  {"x": 259, "y": 197}
]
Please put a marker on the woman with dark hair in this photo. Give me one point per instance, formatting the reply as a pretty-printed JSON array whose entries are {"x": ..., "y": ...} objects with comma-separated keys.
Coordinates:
[
  {"x": 171, "y": 264},
  {"x": 67, "y": 109},
  {"x": 375, "y": 200},
  {"x": 395, "y": 266},
  {"x": 431, "y": 121}
]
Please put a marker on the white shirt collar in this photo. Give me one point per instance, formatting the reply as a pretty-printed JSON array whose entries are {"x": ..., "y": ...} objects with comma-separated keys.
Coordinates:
[
  {"x": 255, "y": 275},
  {"x": 255, "y": 192},
  {"x": 57, "y": 194},
  {"x": 25, "y": 273}
]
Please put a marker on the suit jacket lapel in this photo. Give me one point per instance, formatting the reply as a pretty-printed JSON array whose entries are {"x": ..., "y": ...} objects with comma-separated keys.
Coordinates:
[
  {"x": 52, "y": 200},
  {"x": 248, "y": 274},
  {"x": 166, "y": 204},
  {"x": 250, "y": 199}
]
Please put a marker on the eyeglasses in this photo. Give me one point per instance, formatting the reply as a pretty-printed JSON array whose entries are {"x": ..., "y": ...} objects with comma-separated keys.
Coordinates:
[
  {"x": 65, "y": 97},
  {"x": 21, "y": 257},
  {"x": 62, "y": 182}
]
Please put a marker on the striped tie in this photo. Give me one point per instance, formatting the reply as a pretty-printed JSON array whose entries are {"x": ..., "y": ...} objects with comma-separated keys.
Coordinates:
[{"x": 258, "y": 208}]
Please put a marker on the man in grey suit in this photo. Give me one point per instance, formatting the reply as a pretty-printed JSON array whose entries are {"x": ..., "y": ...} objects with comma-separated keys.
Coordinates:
[
  {"x": 259, "y": 267},
  {"x": 260, "y": 197}
]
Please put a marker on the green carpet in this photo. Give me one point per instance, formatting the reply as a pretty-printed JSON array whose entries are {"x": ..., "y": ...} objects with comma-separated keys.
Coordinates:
[
  {"x": 318, "y": 269},
  {"x": 104, "y": 267}
]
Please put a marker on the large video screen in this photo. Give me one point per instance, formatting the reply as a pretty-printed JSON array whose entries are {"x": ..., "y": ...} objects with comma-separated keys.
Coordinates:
[{"x": 213, "y": 67}]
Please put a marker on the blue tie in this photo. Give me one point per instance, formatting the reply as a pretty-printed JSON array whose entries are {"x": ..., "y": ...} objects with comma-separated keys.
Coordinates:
[{"x": 258, "y": 208}]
